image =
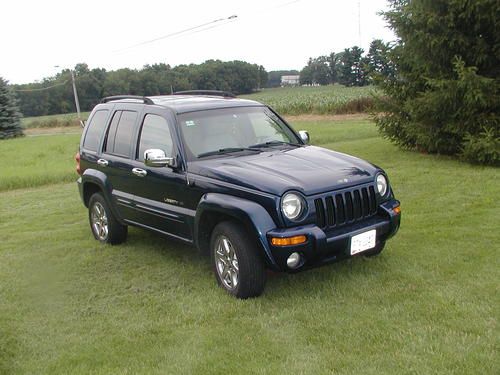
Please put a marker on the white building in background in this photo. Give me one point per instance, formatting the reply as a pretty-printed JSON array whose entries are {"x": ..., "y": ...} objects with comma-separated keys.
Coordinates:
[{"x": 290, "y": 80}]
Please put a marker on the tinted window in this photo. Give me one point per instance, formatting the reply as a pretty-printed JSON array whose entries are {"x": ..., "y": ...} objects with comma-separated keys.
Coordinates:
[
  {"x": 95, "y": 129},
  {"x": 110, "y": 139},
  {"x": 155, "y": 134},
  {"x": 121, "y": 133}
]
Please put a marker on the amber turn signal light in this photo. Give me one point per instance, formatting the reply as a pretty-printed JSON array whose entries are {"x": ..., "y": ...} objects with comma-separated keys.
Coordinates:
[
  {"x": 397, "y": 210},
  {"x": 288, "y": 241}
]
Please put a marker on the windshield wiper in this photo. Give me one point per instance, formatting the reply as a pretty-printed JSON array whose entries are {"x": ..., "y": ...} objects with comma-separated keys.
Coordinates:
[
  {"x": 275, "y": 143},
  {"x": 226, "y": 151}
]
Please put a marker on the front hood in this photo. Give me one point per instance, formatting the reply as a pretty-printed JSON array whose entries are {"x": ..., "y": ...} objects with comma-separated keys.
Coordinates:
[{"x": 310, "y": 170}]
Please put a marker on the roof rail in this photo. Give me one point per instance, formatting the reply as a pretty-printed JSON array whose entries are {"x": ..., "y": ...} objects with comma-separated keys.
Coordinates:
[
  {"x": 144, "y": 99},
  {"x": 225, "y": 94}
]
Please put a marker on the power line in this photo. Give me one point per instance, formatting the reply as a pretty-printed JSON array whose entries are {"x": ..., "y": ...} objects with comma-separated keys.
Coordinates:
[
  {"x": 203, "y": 27},
  {"x": 177, "y": 33},
  {"x": 208, "y": 28},
  {"x": 43, "y": 88}
]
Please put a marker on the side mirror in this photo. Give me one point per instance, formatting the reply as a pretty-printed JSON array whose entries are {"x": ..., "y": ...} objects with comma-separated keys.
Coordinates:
[
  {"x": 83, "y": 123},
  {"x": 304, "y": 135},
  {"x": 157, "y": 158}
]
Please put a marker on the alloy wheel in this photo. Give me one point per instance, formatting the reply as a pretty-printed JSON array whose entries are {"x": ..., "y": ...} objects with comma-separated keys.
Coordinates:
[{"x": 226, "y": 262}]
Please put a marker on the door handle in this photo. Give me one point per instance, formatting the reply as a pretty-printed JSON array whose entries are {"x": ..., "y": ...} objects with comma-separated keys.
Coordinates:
[
  {"x": 102, "y": 162},
  {"x": 139, "y": 172}
]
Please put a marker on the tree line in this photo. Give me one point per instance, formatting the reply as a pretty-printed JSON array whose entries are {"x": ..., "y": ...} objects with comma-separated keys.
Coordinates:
[
  {"x": 351, "y": 67},
  {"x": 54, "y": 95}
]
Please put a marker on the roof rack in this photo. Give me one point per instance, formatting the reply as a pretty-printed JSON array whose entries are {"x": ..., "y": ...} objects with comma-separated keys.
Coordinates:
[
  {"x": 144, "y": 99},
  {"x": 225, "y": 94}
]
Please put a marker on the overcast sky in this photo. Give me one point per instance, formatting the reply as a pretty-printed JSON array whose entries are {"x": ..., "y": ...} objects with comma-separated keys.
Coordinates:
[{"x": 278, "y": 34}]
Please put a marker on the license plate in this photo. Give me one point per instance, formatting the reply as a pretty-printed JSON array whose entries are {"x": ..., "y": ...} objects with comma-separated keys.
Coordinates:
[{"x": 363, "y": 241}]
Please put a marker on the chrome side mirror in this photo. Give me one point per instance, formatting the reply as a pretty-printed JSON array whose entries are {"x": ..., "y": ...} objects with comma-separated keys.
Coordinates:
[
  {"x": 157, "y": 158},
  {"x": 304, "y": 135}
]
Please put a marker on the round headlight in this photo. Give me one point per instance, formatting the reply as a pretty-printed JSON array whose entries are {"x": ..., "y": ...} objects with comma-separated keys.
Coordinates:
[
  {"x": 292, "y": 206},
  {"x": 381, "y": 184}
]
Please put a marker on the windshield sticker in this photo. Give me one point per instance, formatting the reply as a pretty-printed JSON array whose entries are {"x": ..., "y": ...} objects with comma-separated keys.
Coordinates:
[{"x": 190, "y": 123}]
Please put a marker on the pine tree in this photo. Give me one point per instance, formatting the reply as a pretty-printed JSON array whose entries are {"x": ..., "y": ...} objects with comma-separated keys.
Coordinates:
[
  {"x": 10, "y": 125},
  {"x": 445, "y": 94}
]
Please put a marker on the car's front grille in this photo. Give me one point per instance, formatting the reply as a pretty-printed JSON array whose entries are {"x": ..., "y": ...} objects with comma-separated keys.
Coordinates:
[{"x": 345, "y": 207}]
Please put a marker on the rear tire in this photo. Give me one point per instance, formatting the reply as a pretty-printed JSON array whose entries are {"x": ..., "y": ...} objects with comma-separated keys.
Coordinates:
[
  {"x": 104, "y": 225},
  {"x": 237, "y": 261}
]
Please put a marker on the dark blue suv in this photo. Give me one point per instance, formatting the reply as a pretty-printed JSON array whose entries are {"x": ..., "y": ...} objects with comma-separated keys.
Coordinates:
[{"x": 232, "y": 178}]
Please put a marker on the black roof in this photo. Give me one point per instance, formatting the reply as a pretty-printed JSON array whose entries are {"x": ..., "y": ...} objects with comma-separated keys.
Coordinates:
[{"x": 189, "y": 103}]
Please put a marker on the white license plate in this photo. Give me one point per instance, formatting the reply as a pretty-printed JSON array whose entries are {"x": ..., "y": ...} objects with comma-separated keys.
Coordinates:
[{"x": 363, "y": 241}]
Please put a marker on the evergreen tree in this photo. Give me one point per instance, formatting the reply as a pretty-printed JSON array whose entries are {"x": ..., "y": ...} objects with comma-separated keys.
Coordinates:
[
  {"x": 10, "y": 125},
  {"x": 378, "y": 63},
  {"x": 352, "y": 70},
  {"x": 445, "y": 94}
]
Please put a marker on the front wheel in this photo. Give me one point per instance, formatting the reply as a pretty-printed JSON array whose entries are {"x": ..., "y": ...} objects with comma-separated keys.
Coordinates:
[
  {"x": 105, "y": 227},
  {"x": 237, "y": 263}
]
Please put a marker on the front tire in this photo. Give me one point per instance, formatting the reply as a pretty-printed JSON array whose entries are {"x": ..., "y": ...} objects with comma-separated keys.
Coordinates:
[
  {"x": 105, "y": 227},
  {"x": 236, "y": 260}
]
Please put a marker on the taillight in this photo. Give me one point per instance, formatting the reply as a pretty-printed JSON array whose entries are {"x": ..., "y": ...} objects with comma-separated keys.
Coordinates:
[{"x": 77, "y": 159}]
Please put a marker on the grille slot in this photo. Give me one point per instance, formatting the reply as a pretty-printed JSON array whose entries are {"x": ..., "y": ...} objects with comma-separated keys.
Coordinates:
[
  {"x": 337, "y": 209},
  {"x": 320, "y": 213},
  {"x": 358, "y": 208},
  {"x": 330, "y": 211},
  {"x": 339, "y": 199}
]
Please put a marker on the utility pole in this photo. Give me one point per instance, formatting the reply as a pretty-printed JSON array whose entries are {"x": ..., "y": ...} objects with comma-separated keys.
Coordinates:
[
  {"x": 75, "y": 93},
  {"x": 359, "y": 22}
]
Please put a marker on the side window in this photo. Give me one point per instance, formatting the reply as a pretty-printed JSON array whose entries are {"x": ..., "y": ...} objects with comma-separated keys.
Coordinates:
[
  {"x": 110, "y": 139},
  {"x": 95, "y": 130},
  {"x": 121, "y": 133},
  {"x": 155, "y": 133}
]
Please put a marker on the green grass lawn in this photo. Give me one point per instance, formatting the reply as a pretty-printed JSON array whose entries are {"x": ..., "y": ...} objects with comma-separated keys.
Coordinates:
[
  {"x": 428, "y": 305},
  {"x": 35, "y": 161}
]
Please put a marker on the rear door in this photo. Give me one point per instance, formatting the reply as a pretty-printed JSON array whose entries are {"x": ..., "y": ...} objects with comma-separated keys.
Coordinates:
[
  {"x": 159, "y": 192},
  {"x": 117, "y": 152}
]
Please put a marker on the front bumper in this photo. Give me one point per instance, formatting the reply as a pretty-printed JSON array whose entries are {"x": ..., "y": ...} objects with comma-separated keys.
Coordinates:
[{"x": 324, "y": 247}]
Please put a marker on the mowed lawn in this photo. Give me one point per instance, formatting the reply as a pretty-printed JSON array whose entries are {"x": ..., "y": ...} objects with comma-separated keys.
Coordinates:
[{"x": 428, "y": 305}]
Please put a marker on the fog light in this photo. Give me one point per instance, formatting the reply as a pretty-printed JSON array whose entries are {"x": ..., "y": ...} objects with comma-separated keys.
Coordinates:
[{"x": 294, "y": 260}]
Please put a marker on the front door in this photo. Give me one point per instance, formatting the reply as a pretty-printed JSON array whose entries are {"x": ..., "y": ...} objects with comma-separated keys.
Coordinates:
[{"x": 159, "y": 191}]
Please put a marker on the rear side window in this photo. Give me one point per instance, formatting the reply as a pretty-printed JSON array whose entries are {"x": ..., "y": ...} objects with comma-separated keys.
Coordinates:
[
  {"x": 110, "y": 139},
  {"x": 121, "y": 133},
  {"x": 95, "y": 130},
  {"x": 155, "y": 134}
]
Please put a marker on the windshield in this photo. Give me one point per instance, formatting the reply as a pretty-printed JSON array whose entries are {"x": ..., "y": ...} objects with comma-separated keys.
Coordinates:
[{"x": 221, "y": 131}]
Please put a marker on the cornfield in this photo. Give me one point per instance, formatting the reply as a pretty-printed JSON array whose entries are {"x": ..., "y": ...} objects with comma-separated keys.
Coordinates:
[{"x": 333, "y": 99}]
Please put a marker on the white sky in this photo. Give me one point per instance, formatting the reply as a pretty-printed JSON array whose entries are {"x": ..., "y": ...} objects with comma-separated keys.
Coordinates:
[{"x": 36, "y": 35}]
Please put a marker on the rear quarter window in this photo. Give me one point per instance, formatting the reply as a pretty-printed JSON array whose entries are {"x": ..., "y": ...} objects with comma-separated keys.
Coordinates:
[{"x": 95, "y": 130}]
